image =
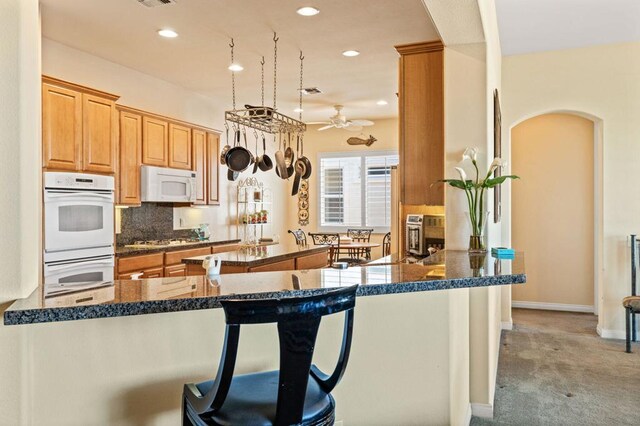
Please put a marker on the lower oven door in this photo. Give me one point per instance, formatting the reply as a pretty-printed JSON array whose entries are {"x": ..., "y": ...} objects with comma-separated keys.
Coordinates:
[{"x": 74, "y": 275}]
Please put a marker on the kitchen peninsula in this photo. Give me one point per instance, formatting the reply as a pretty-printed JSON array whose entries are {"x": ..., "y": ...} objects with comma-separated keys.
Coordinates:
[{"x": 413, "y": 333}]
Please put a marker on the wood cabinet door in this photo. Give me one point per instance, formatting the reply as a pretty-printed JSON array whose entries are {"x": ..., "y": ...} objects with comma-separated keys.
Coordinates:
[
  {"x": 153, "y": 273},
  {"x": 213, "y": 168},
  {"x": 284, "y": 265},
  {"x": 422, "y": 124},
  {"x": 99, "y": 134},
  {"x": 176, "y": 270},
  {"x": 61, "y": 128},
  {"x": 200, "y": 165},
  {"x": 130, "y": 157},
  {"x": 155, "y": 142},
  {"x": 179, "y": 146}
]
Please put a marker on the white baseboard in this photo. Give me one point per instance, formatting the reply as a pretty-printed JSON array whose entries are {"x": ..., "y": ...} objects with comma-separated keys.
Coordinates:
[
  {"x": 467, "y": 417},
  {"x": 506, "y": 325},
  {"x": 611, "y": 334},
  {"x": 484, "y": 411},
  {"x": 552, "y": 306}
]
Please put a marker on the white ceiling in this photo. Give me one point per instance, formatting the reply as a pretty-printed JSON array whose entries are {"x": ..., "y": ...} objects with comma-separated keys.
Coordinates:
[
  {"x": 124, "y": 32},
  {"x": 528, "y": 26}
]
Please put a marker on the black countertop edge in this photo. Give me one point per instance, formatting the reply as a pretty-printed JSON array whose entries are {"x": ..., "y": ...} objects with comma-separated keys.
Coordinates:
[
  {"x": 266, "y": 260},
  {"x": 134, "y": 251},
  {"x": 111, "y": 310}
]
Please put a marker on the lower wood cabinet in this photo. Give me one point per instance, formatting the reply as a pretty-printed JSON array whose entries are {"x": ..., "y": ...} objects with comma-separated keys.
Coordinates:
[
  {"x": 285, "y": 265},
  {"x": 146, "y": 273},
  {"x": 176, "y": 270},
  {"x": 313, "y": 261}
]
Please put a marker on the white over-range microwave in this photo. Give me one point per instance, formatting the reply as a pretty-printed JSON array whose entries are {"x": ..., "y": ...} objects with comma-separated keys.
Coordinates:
[{"x": 164, "y": 185}]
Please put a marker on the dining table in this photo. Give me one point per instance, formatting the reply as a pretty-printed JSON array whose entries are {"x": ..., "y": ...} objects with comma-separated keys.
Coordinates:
[{"x": 351, "y": 245}]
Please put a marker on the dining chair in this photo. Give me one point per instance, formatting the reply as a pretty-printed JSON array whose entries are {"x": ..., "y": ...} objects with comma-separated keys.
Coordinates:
[
  {"x": 300, "y": 236},
  {"x": 631, "y": 303},
  {"x": 386, "y": 244},
  {"x": 360, "y": 236},
  {"x": 297, "y": 394},
  {"x": 324, "y": 239}
]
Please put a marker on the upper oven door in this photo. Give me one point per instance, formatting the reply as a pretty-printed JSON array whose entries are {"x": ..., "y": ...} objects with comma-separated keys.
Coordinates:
[{"x": 77, "y": 219}]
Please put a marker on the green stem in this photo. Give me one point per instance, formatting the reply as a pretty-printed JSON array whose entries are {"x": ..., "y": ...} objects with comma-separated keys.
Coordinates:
[{"x": 481, "y": 213}]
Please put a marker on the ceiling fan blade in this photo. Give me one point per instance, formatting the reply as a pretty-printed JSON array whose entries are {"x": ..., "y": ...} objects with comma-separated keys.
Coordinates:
[
  {"x": 362, "y": 122},
  {"x": 311, "y": 123},
  {"x": 326, "y": 127},
  {"x": 353, "y": 128}
]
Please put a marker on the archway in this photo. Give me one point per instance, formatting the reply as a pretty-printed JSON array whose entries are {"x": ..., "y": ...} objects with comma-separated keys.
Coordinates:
[{"x": 596, "y": 212}]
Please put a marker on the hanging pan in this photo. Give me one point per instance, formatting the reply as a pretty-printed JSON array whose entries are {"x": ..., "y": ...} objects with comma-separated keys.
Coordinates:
[
  {"x": 265, "y": 161},
  {"x": 238, "y": 158}
]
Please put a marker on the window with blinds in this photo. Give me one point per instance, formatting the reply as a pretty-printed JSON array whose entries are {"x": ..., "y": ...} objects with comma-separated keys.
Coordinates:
[{"x": 355, "y": 189}]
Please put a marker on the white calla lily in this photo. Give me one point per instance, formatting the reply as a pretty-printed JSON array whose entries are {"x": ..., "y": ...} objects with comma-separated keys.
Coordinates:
[
  {"x": 470, "y": 154},
  {"x": 461, "y": 172},
  {"x": 497, "y": 162}
]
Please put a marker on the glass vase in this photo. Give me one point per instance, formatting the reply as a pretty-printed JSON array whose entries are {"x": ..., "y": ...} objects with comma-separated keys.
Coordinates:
[{"x": 477, "y": 244}]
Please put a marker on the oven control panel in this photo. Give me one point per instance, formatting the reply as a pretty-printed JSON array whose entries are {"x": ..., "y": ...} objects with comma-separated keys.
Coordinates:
[{"x": 64, "y": 180}]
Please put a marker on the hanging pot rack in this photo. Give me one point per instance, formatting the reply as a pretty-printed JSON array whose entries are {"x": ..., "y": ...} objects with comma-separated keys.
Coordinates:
[{"x": 263, "y": 118}]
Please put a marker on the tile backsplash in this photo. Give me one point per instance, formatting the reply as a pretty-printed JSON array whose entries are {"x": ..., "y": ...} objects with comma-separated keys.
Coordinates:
[{"x": 150, "y": 221}]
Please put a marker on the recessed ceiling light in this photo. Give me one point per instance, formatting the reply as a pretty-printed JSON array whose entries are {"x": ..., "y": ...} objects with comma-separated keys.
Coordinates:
[
  {"x": 350, "y": 53},
  {"x": 307, "y": 11},
  {"x": 382, "y": 102},
  {"x": 298, "y": 110},
  {"x": 235, "y": 67},
  {"x": 168, "y": 33}
]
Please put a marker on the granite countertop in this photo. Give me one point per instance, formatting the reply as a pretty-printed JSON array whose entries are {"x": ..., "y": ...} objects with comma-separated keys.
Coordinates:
[
  {"x": 445, "y": 270},
  {"x": 261, "y": 255},
  {"x": 124, "y": 251}
]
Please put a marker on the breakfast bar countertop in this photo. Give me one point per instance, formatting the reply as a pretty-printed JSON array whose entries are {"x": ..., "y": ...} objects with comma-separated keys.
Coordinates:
[
  {"x": 445, "y": 270},
  {"x": 260, "y": 255}
]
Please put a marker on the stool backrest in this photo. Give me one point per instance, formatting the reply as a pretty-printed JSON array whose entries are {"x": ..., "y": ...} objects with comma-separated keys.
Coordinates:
[
  {"x": 634, "y": 260},
  {"x": 298, "y": 320}
]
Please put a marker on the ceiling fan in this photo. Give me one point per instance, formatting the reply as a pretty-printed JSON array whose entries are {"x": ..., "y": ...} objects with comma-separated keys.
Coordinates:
[{"x": 339, "y": 121}]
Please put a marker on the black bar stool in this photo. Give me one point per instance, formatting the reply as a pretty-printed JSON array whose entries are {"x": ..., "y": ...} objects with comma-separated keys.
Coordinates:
[{"x": 298, "y": 393}]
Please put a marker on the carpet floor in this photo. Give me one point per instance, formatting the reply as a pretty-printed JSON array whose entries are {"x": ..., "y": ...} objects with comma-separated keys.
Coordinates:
[{"x": 555, "y": 370}]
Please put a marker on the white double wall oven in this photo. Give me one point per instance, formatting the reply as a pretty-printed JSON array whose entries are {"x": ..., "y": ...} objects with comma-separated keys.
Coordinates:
[{"x": 78, "y": 231}]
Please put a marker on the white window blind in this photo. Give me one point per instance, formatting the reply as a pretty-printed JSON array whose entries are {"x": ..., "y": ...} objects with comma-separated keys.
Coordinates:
[{"x": 355, "y": 190}]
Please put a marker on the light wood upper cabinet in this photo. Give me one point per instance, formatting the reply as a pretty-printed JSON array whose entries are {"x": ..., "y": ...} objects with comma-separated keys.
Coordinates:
[
  {"x": 200, "y": 164},
  {"x": 61, "y": 128},
  {"x": 421, "y": 101},
  {"x": 130, "y": 158},
  {"x": 79, "y": 127},
  {"x": 100, "y": 134},
  {"x": 179, "y": 146},
  {"x": 155, "y": 142},
  {"x": 213, "y": 168}
]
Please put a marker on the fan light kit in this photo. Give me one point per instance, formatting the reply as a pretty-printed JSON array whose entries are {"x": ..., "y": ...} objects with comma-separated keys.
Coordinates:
[
  {"x": 350, "y": 53},
  {"x": 235, "y": 67},
  {"x": 307, "y": 11},
  {"x": 382, "y": 102},
  {"x": 167, "y": 33}
]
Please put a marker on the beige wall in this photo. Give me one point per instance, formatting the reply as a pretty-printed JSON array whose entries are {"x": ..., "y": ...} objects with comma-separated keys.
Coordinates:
[
  {"x": 334, "y": 140},
  {"x": 152, "y": 94},
  {"x": 604, "y": 83},
  {"x": 20, "y": 197},
  {"x": 553, "y": 222}
]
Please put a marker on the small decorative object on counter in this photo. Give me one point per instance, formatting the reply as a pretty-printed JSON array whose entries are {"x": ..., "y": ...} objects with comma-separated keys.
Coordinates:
[
  {"x": 475, "y": 190},
  {"x": 212, "y": 265}
]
